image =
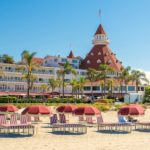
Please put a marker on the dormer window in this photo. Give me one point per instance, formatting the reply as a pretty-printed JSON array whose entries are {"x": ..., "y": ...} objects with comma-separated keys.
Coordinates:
[
  {"x": 88, "y": 62},
  {"x": 99, "y": 53},
  {"x": 98, "y": 61},
  {"x": 110, "y": 61}
]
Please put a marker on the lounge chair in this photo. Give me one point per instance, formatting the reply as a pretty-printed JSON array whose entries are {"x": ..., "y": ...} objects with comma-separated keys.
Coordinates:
[
  {"x": 14, "y": 126},
  {"x": 142, "y": 125},
  {"x": 90, "y": 121},
  {"x": 53, "y": 119},
  {"x": 66, "y": 127},
  {"x": 62, "y": 118},
  {"x": 81, "y": 119},
  {"x": 114, "y": 126}
]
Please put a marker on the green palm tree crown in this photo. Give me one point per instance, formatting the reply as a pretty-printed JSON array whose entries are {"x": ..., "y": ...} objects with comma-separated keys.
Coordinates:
[
  {"x": 138, "y": 76},
  {"x": 52, "y": 83},
  {"x": 92, "y": 74},
  {"x": 67, "y": 68},
  {"x": 27, "y": 60}
]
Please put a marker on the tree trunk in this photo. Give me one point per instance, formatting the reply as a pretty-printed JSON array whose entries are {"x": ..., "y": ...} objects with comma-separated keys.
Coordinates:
[
  {"x": 72, "y": 91},
  {"x": 104, "y": 87},
  {"x": 137, "y": 87},
  {"x": 92, "y": 89},
  {"x": 126, "y": 89},
  {"x": 52, "y": 92},
  {"x": 63, "y": 86},
  {"x": 28, "y": 89},
  {"x": 111, "y": 89}
]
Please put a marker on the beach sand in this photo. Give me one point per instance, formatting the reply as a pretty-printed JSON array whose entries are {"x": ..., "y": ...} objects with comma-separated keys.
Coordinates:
[{"x": 93, "y": 140}]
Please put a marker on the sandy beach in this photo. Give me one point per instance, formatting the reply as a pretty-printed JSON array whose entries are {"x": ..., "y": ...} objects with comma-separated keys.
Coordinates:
[{"x": 93, "y": 140}]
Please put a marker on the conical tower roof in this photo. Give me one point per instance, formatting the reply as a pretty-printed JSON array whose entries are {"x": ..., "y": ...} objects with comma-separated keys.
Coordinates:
[
  {"x": 100, "y": 30},
  {"x": 71, "y": 55}
]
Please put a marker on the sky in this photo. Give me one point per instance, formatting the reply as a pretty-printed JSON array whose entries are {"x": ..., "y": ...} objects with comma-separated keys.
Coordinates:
[{"x": 54, "y": 27}]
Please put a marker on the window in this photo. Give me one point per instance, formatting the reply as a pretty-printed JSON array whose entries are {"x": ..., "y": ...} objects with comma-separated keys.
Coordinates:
[
  {"x": 87, "y": 88},
  {"x": 88, "y": 62},
  {"x": 96, "y": 88},
  {"x": 74, "y": 61},
  {"x": 63, "y": 60},
  {"x": 109, "y": 61},
  {"x": 99, "y": 53},
  {"x": 83, "y": 73},
  {"x": 98, "y": 61},
  {"x": 55, "y": 60},
  {"x": 131, "y": 88},
  {"x": 116, "y": 88},
  {"x": 92, "y": 54}
]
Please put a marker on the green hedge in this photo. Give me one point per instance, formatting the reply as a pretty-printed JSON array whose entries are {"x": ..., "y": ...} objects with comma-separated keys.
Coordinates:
[{"x": 10, "y": 99}]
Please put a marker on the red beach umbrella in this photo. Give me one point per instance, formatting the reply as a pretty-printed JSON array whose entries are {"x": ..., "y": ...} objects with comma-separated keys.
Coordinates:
[
  {"x": 68, "y": 108},
  {"x": 87, "y": 110},
  {"x": 8, "y": 109},
  {"x": 37, "y": 110},
  {"x": 132, "y": 109}
]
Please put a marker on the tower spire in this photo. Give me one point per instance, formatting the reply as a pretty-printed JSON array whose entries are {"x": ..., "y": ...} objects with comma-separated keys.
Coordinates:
[{"x": 100, "y": 15}]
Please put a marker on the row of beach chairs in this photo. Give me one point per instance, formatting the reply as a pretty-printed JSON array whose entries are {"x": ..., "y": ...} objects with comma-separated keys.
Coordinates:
[
  {"x": 122, "y": 125},
  {"x": 13, "y": 125}
]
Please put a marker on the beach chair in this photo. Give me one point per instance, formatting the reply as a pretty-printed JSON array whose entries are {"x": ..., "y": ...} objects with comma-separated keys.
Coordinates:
[
  {"x": 3, "y": 123},
  {"x": 66, "y": 127},
  {"x": 3, "y": 120},
  {"x": 53, "y": 119},
  {"x": 13, "y": 119},
  {"x": 114, "y": 126},
  {"x": 142, "y": 125},
  {"x": 62, "y": 118},
  {"x": 69, "y": 127},
  {"x": 90, "y": 121},
  {"x": 25, "y": 125},
  {"x": 29, "y": 119}
]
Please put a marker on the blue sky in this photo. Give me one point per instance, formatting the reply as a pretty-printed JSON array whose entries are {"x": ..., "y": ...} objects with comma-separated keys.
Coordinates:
[{"x": 55, "y": 26}]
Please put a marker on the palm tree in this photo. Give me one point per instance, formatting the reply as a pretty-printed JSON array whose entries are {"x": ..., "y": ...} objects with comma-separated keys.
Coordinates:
[
  {"x": 52, "y": 83},
  {"x": 59, "y": 80},
  {"x": 74, "y": 83},
  {"x": 124, "y": 77},
  {"x": 92, "y": 76},
  {"x": 104, "y": 70},
  {"x": 27, "y": 59},
  {"x": 81, "y": 84},
  {"x": 67, "y": 68},
  {"x": 137, "y": 76},
  {"x": 44, "y": 88},
  {"x": 110, "y": 86}
]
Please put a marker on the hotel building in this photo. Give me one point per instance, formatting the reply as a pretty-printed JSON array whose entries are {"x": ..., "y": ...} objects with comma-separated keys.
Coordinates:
[{"x": 12, "y": 83}]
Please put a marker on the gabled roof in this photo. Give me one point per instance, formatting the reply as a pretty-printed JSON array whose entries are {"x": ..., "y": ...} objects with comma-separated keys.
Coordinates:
[
  {"x": 38, "y": 61},
  {"x": 100, "y": 30}
]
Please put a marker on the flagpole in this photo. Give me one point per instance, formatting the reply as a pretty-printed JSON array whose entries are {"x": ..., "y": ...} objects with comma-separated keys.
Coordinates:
[{"x": 100, "y": 15}]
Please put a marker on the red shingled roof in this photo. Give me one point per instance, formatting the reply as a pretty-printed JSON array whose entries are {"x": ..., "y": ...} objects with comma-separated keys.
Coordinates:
[
  {"x": 38, "y": 61},
  {"x": 100, "y": 30},
  {"x": 71, "y": 55},
  {"x": 101, "y": 54}
]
